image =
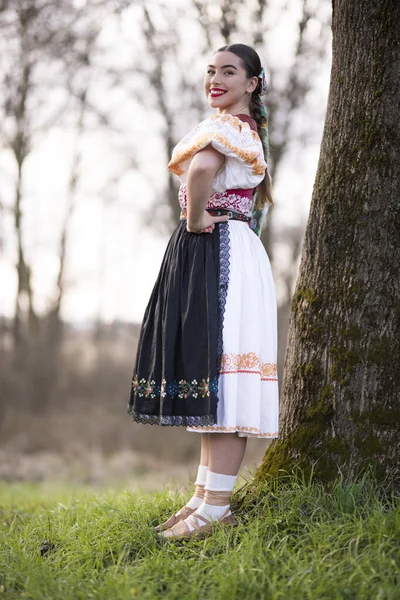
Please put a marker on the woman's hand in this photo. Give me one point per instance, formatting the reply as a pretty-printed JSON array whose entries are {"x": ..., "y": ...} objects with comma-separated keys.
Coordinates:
[{"x": 206, "y": 224}]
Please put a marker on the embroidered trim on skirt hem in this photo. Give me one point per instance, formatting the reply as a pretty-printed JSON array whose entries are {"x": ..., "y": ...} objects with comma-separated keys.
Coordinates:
[
  {"x": 172, "y": 421},
  {"x": 241, "y": 431}
]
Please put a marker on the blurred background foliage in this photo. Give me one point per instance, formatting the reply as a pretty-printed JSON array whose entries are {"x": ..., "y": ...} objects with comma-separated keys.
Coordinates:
[{"x": 93, "y": 97}]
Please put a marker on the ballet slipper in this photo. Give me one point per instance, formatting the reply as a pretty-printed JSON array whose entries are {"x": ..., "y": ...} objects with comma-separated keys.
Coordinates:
[{"x": 184, "y": 513}]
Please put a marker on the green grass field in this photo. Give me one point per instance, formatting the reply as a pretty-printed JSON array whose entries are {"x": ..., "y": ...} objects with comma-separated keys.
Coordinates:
[{"x": 296, "y": 541}]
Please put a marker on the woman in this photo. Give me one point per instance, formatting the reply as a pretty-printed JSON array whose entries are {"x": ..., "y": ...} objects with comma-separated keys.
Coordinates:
[{"x": 207, "y": 351}]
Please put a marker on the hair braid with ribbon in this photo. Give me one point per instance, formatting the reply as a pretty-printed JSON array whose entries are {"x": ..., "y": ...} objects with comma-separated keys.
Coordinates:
[
  {"x": 259, "y": 113},
  {"x": 259, "y": 105},
  {"x": 252, "y": 64}
]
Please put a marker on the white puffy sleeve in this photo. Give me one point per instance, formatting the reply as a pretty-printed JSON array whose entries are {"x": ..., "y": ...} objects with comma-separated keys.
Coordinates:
[{"x": 244, "y": 165}]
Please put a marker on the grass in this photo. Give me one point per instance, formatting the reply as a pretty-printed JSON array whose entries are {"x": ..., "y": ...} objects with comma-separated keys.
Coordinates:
[{"x": 295, "y": 541}]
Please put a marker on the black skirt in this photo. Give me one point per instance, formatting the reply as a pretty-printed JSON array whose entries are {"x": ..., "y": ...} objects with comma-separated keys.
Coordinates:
[{"x": 175, "y": 379}]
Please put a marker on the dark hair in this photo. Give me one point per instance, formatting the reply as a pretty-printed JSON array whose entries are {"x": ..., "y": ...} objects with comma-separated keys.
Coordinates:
[{"x": 252, "y": 64}]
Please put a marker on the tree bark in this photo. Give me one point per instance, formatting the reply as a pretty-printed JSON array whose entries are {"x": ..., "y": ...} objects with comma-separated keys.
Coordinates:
[{"x": 340, "y": 394}]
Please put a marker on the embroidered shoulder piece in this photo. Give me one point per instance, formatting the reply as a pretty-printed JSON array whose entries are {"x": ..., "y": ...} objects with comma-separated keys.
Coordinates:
[{"x": 244, "y": 159}]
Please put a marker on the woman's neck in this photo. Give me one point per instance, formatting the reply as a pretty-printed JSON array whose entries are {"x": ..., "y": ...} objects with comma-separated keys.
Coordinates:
[
  {"x": 239, "y": 108},
  {"x": 235, "y": 113}
]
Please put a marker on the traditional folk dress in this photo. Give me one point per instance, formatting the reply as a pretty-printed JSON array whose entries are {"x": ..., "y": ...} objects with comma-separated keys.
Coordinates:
[{"x": 207, "y": 350}]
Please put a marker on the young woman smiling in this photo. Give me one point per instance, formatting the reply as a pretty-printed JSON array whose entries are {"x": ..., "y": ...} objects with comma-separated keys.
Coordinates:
[{"x": 206, "y": 358}]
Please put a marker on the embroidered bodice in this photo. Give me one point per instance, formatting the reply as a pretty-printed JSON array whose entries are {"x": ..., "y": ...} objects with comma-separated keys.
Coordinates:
[
  {"x": 233, "y": 187},
  {"x": 240, "y": 201}
]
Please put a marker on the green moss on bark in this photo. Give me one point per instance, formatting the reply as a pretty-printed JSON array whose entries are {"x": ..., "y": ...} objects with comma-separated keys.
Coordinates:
[
  {"x": 308, "y": 297},
  {"x": 352, "y": 333},
  {"x": 303, "y": 446},
  {"x": 339, "y": 447},
  {"x": 277, "y": 458},
  {"x": 343, "y": 362},
  {"x": 369, "y": 445},
  {"x": 322, "y": 409},
  {"x": 378, "y": 416},
  {"x": 310, "y": 371},
  {"x": 306, "y": 306},
  {"x": 380, "y": 351}
]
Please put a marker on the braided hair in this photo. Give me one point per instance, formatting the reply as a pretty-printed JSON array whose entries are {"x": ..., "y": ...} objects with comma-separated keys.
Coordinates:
[{"x": 252, "y": 65}]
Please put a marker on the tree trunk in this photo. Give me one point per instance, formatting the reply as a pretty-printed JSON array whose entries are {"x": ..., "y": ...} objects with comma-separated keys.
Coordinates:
[
  {"x": 20, "y": 148},
  {"x": 340, "y": 393}
]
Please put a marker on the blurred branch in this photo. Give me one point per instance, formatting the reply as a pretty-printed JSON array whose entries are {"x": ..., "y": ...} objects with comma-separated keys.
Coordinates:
[
  {"x": 19, "y": 145},
  {"x": 71, "y": 196},
  {"x": 161, "y": 49},
  {"x": 229, "y": 10}
]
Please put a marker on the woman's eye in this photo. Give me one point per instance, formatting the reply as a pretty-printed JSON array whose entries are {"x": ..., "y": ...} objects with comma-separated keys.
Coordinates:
[{"x": 210, "y": 72}]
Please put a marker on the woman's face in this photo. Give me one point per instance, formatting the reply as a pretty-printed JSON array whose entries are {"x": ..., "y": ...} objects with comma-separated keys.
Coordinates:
[{"x": 226, "y": 84}]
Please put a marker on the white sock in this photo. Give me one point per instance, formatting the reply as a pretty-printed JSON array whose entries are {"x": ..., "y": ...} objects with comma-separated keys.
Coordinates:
[
  {"x": 200, "y": 482},
  {"x": 219, "y": 488}
]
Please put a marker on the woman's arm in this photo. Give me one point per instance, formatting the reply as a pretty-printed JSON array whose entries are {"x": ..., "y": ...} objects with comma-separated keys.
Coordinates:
[{"x": 201, "y": 173}]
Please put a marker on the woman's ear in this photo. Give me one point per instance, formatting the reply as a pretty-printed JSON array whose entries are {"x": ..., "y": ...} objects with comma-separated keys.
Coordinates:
[{"x": 253, "y": 83}]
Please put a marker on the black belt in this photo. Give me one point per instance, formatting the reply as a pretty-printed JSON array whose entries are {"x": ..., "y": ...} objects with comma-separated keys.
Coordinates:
[{"x": 221, "y": 212}]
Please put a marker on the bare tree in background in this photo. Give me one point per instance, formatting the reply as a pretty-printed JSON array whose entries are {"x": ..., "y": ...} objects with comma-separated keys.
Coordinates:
[
  {"x": 37, "y": 36},
  {"x": 162, "y": 54},
  {"x": 18, "y": 85},
  {"x": 80, "y": 75},
  {"x": 160, "y": 49},
  {"x": 46, "y": 54}
]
